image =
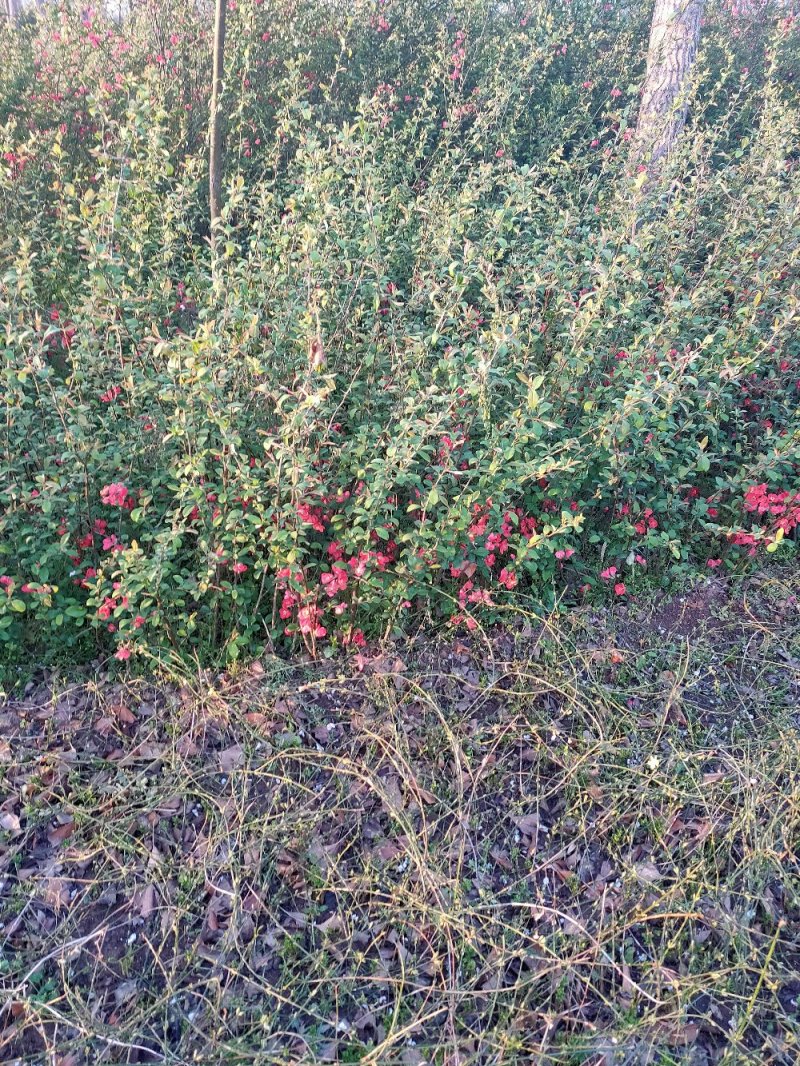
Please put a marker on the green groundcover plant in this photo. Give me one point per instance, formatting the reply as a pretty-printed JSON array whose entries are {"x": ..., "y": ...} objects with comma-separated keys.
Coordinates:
[{"x": 460, "y": 348}]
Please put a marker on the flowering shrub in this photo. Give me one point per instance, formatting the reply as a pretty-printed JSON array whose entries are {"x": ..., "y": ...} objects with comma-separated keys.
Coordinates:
[{"x": 458, "y": 351}]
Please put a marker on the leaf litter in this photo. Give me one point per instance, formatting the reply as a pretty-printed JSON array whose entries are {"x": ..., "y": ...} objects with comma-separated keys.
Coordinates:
[{"x": 491, "y": 860}]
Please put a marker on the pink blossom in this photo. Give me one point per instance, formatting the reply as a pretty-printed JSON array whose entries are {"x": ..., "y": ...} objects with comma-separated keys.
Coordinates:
[
  {"x": 311, "y": 516},
  {"x": 359, "y": 565},
  {"x": 335, "y": 550},
  {"x": 114, "y": 494},
  {"x": 308, "y": 620},
  {"x": 508, "y": 578},
  {"x": 335, "y": 581}
]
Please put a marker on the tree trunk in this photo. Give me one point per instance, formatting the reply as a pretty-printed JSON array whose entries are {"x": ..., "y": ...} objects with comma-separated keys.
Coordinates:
[
  {"x": 674, "y": 36},
  {"x": 215, "y": 120}
]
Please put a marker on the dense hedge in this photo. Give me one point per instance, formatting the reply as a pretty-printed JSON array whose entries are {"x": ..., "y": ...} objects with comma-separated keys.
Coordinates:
[{"x": 460, "y": 350}]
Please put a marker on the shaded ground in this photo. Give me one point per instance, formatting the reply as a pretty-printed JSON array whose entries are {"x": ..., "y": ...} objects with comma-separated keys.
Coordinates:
[{"x": 568, "y": 842}]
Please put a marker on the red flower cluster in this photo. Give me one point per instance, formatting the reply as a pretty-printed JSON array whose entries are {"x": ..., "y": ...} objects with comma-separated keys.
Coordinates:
[
  {"x": 647, "y": 521},
  {"x": 336, "y": 581},
  {"x": 311, "y": 516},
  {"x": 115, "y": 494},
  {"x": 784, "y": 505}
]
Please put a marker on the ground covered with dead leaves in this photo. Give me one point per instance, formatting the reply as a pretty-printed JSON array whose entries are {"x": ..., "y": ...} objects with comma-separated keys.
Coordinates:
[{"x": 571, "y": 842}]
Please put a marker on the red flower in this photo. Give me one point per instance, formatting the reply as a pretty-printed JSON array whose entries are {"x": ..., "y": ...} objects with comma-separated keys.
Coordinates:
[
  {"x": 311, "y": 516},
  {"x": 646, "y": 522},
  {"x": 115, "y": 494},
  {"x": 620, "y": 589},
  {"x": 608, "y": 573},
  {"x": 508, "y": 578},
  {"x": 335, "y": 550},
  {"x": 290, "y": 600},
  {"x": 308, "y": 619},
  {"x": 123, "y": 653},
  {"x": 712, "y": 564},
  {"x": 335, "y": 581},
  {"x": 105, "y": 608},
  {"x": 359, "y": 565},
  {"x": 239, "y": 568}
]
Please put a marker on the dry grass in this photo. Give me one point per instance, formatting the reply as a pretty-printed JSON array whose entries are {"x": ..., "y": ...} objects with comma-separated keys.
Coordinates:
[{"x": 568, "y": 843}]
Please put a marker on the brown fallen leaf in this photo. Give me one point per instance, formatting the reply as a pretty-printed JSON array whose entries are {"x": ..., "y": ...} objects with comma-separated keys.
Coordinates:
[
  {"x": 388, "y": 851},
  {"x": 333, "y": 923},
  {"x": 186, "y": 746},
  {"x": 58, "y": 833},
  {"x": 572, "y": 927},
  {"x": 528, "y": 824},
  {"x": 500, "y": 856},
  {"x": 123, "y": 713},
  {"x": 10, "y": 823},
  {"x": 231, "y": 758},
  {"x": 252, "y": 903},
  {"x": 647, "y": 871},
  {"x": 55, "y": 892},
  {"x": 676, "y": 1035},
  {"x": 125, "y": 992},
  {"x": 259, "y": 721},
  {"x": 394, "y": 795},
  {"x": 712, "y": 778},
  {"x": 146, "y": 903}
]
